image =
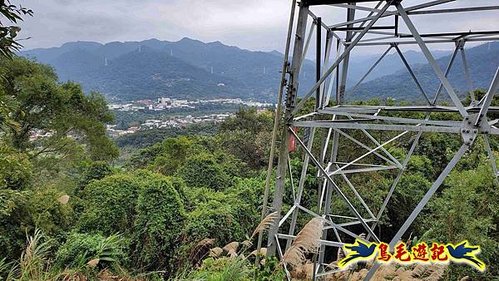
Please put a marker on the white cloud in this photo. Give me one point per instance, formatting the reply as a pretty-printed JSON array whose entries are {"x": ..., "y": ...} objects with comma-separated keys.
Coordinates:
[{"x": 256, "y": 24}]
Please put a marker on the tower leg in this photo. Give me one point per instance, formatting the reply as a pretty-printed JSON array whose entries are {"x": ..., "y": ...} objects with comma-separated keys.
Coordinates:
[{"x": 285, "y": 136}]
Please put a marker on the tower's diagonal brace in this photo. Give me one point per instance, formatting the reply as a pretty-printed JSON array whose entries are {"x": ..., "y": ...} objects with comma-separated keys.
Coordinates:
[
  {"x": 301, "y": 185},
  {"x": 459, "y": 154},
  {"x": 293, "y": 189},
  {"x": 395, "y": 160},
  {"x": 309, "y": 39},
  {"x": 431, "y": 60},
  {"x": 491, "y": 156},
  {"x": 365, "y": 146},
  {"x": 361, "y": 200},
  {"x": 411, "y": 72},
  {"x": 342, "y": 56},
  {"x": 447, "y": 71},
  {"x": 336, "y": 187},
  {"x": 387, "y": 14},
  {"x": 329, "y": 44},
  {"x": 488, "y": 98},
  {"x": 368, "y": 153},
  {"x": 371, "y": 69},
  {"x": 467, "y": 73}
]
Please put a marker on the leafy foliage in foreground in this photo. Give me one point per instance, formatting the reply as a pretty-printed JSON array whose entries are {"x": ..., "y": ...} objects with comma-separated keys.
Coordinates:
[
  {"x": 61, "y": 112},
  {"x": 13, "y": 14},
  {"x": 87, "y": 218}
]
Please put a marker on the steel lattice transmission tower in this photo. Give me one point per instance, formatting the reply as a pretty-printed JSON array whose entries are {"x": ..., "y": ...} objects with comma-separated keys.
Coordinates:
[{"x": 364, "y": 25}]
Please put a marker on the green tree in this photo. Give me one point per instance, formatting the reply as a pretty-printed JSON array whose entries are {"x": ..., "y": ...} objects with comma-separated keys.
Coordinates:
[
  {"x": 8, "y": 34},
  {"x": 158, "y": 225},
  {"x": 248, "y": 119},
  {"x": 12, "y": 214},
  {"x": 468, "y": 209},
  {"x": 174, "y": 152},
  {"x": 62, "y": 112},
  {"x": 95, "y": 171},
  {"x": 203, "y": 170},
  {"x": 109, "y": 204},
  {"x": 143, "y": 206},
  {"x": 15, "y": 168},
  {"x": 247, "y": 136}
]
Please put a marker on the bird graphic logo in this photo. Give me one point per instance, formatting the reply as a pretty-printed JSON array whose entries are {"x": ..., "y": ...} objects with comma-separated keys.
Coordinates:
[
  {"x": 465, "y": 253},
  {"x": 359, "y": 251}
]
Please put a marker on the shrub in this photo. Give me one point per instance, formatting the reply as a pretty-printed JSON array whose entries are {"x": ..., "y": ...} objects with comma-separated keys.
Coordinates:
[
  {"x": 202, "y": 170},
  {"x": 224, "y": 269},
  {"x": 145, "y": 207},
  {"x": 159, "y": 221},
  {"x": 95, "y": 171},
  {"x": 22, "y": 212},
  {"x": 109, "y": 204},
  {"x": 15, "y": 168},
  {"x": 12, "y": 211},
  {"x": 81, "y": 248}
]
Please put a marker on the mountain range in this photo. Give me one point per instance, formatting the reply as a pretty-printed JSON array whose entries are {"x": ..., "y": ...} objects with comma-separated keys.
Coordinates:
[
  {"x": 152, "y": 68},
  {"x": 193, "y": 69},
  {"x": 483, "y": 61}
]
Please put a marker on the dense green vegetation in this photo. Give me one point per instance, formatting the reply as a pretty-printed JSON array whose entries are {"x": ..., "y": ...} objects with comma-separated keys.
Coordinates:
[
  {"x": 145, "y": 138},
  {"x": 185, "y": 204},
  {"x": 62, "y": 190},
  {"x": 145, "y": 218}
]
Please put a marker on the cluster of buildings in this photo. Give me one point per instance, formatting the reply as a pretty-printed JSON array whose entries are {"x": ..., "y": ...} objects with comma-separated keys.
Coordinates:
[
  {"x": 175, "y": 122},
  {"x": 114, "y": 133},
  {"x": 171, "y": 103},
  {"x": 183, "y": 121},
  {"x": 38, "y": 134},
  {"x": 164, "y": 103}
]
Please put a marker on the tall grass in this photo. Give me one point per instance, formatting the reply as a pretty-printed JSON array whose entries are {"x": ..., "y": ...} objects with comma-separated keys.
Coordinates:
[{"x": 34, "y": 261}]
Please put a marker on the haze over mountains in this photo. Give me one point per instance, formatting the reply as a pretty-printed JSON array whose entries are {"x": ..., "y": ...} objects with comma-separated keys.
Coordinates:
[
  {"x": 192, "y": 69},
  {"x": 152, "y": 68},
  {"x": 482, "y": 60}
]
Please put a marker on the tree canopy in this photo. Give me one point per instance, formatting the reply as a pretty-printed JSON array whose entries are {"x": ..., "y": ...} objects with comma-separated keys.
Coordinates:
[
  {"x": 47, "y": 117},
  {"x": 10, "y": 14}
]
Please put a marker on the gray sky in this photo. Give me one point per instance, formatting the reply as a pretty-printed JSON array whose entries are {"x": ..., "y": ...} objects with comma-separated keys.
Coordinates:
[{"x": 254, "y": 24}]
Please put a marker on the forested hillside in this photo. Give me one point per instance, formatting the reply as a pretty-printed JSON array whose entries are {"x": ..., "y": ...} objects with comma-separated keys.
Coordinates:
[
  {"x": 482, "y": 60},
  {"x": 185, "y": 203},
  {"x": 70, "y": 211},
  {"x": 192, "y": 69},
  {"x": 189, "y": 68},
  {"x": 152, "y": 68},
  {"x": 390, "y": 64}
]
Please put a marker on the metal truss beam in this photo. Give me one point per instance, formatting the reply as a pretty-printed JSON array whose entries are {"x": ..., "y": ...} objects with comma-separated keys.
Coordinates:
[
  {"x": 286, "y": 137},
  {"x": 342, "y": 56},
  {"x": 335, "y": 186},
  {"x": 422, "y": 204},
  {"x": 387, "y": 14},
  {"x": 380, "y": 127},
  {"x": 455, "y": 10},
  {"x": 372, "y": 131}
]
